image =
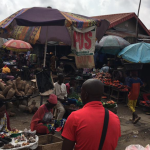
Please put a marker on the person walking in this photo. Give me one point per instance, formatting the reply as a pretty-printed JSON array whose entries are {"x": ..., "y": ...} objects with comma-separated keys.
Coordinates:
[
  {"x": 93, "y": 127},
  {"x": 134, "y": 85}
]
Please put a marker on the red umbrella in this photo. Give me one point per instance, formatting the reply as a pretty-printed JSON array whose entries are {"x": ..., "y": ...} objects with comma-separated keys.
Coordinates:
[{"x": 17, "y": 46}]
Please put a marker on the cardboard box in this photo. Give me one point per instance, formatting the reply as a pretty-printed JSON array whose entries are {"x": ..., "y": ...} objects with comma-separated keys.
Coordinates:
[{"x": 49, "y": 142}]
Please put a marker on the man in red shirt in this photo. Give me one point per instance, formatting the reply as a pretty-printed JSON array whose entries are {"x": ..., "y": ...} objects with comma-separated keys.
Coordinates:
[{"x": 83, "y": 128}]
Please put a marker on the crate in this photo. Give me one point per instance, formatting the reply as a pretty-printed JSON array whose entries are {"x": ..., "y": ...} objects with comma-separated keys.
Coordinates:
[{"x": 49, "y": 142}]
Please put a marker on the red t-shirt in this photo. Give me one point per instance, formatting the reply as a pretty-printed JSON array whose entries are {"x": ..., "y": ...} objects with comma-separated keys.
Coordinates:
[
  {"x": 68, "y": 88},
  {"x": 85, "y": 128}
]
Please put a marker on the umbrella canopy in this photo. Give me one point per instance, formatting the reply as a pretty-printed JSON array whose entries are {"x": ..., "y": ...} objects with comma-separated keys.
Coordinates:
[
  {"x": 37, "y": 34},
  {"x": 38, "y": 16},
  {"x": 111, "y": 44},
  {"x": 136, "y": 53},
  {"x": 17, "y": 46}
]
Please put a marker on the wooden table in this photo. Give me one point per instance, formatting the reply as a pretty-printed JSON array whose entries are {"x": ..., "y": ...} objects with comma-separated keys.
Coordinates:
[{"x": 119, "y": 95}]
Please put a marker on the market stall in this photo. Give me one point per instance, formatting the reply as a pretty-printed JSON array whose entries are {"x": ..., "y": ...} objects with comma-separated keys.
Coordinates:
[
  {"x": 113, "y": 89},
  {"x": 16, "y": 94},
  {"x": 16, "y": 139}
]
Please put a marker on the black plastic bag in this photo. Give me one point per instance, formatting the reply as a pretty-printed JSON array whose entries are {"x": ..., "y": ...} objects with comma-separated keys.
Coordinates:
[{"x": 44, "y": 81}]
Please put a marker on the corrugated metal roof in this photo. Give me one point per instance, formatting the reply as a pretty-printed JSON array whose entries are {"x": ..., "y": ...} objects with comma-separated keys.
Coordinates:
[
  {"x": 125, "y": 34},
  {"x": 116, "y": 19}
]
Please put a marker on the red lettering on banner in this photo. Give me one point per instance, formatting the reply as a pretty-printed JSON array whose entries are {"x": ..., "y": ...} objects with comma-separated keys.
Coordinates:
[
  {"x": 87, "y": 38},
  {"x": 81, "y": 38},
  {"x": 81, "y": 41}
]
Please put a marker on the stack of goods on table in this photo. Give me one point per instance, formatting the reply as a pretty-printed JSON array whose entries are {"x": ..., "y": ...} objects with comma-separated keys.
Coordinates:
[
  {"x": 103, "y": 76},
  {"x": 106, "y": 79},
  {"x": 120, "y": 87},
  {"x": 16, "y": 139}
]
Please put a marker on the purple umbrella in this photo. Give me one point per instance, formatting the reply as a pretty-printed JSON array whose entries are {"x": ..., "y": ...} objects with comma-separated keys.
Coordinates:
[{"x": 38, "y": 16}]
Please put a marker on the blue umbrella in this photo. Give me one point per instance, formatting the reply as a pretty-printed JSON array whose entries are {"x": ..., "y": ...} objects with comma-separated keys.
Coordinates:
[{"x": 136, "y": 53}]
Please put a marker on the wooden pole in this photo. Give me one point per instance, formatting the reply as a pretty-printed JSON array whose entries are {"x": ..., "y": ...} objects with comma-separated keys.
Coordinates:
[
  {"x": 137, "y": 21},
  {"x": 45, "y": 50}
]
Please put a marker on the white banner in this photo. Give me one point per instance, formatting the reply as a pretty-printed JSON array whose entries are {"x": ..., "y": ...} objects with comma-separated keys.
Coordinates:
[
  {"x": 85, "y": 61},
  {"x": 83, "y": 41}
]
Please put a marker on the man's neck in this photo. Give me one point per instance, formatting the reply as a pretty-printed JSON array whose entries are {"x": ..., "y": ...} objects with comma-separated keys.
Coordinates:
[{"x": 59, "y": 83}]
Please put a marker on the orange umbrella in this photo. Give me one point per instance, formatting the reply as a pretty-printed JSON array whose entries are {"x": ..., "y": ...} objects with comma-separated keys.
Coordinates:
[{"x": 17, "y": 46}]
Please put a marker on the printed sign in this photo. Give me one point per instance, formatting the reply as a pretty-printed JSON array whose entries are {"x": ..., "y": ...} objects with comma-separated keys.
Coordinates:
[{"x": 83, "y": 41}]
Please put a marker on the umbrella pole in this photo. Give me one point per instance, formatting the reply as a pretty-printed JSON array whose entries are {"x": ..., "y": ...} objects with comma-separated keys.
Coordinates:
[
  {"x": 45, "y": 51},
  {"x": 55, "y": 56}
]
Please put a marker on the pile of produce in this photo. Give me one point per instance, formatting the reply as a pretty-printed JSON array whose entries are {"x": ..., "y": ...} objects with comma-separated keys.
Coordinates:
[
  {"x": 106, "y": 79},
  {"x": 109, "y": 104},
  {"x": 32, "y": 108},
  {"x": 16, "y": 87},
  {"x": 73, "y": 96},
  {"x": 102, "y": 76},
  {"x": 20, "y": 141},
  {"x": 145, "y": 103}
]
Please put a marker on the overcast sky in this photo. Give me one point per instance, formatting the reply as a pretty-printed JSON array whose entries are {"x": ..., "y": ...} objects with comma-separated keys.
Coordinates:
[{"x": 84, "y": 7}]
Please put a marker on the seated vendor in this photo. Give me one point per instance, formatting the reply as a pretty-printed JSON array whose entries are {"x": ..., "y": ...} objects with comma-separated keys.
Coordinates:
[
  {"x": 61, "y": 93},
  {"x": 70, "y": 85},
  {"x": 37, "y": 120},
  {"x": 4, "y": 118},
  {"x": 6, "y": 71}
]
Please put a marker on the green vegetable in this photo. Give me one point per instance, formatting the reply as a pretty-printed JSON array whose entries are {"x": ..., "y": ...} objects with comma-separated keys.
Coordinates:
[{"x": 73, "y": 96}]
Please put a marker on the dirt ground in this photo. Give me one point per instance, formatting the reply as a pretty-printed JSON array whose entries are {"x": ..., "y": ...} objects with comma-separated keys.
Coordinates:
[{"x": 22, "y": 121}]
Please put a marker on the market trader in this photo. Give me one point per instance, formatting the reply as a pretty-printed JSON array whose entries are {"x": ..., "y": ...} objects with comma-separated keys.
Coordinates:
[
  {"x": 37, "y": 120},
  {"x": 83, "y": 128},
  {"x": 61, "y": 92}
]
